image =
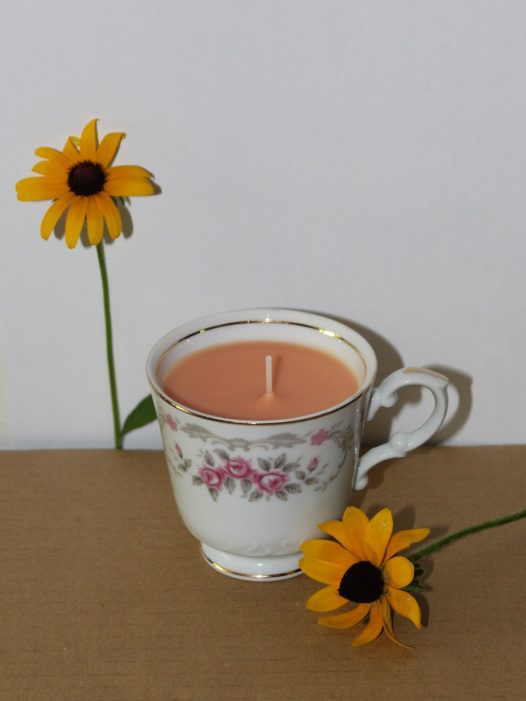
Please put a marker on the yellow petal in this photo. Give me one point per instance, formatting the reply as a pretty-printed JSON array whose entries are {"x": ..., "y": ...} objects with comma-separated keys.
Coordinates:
[
  {"x": 111, "y": 214},
  {"x": 51, "y": 169},
  {"x": 88, "y": 141},
  {"x": 95, "y": 221},
  {"x": 39, "y": 188},
  {"x": 377, "y": 536},
  {"x": 128, "y": 172},
  {"x": 347, "y": 619},
  {"x": 355, "y": 523},
  {"x": 372, "y": 629},
  {"x": 329, "y": 551},
  {"x": 399, "y": 571},
  {"x": 326, "y": 599},
  {"x": 53, "y": 155},
  {"x": 108, "y": 148},
  {"x": 54, "y": 213},
  {"x": 75, "y": 220},
  {"x": 70, "y": 150},
  {"x": 336, "y": 530},
  {"x": 387, "y": 623},
  {"x": 403, "y": 539},
  {"x": 321, "y": 571},
  {"x": 404, "y": 604},
  {"x": 128, "y": 187}
]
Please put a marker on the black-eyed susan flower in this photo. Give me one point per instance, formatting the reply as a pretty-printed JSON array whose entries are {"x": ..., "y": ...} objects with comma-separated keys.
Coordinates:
[
  {"x": 83, "y": 183},
  {"x": 363, "y": 568}
]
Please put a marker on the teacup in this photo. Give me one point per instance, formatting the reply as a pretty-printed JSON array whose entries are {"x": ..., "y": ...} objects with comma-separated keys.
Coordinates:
[{"x": 252, "y": 491}]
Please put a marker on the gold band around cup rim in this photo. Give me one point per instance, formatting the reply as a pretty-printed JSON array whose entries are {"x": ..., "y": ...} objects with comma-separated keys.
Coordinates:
[{"x": 246, "y": 422}]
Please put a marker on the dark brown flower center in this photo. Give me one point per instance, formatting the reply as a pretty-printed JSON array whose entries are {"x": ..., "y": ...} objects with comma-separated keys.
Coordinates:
[
  {"x": 86, "y": 178},
  {"x": 362, "y": 583}
]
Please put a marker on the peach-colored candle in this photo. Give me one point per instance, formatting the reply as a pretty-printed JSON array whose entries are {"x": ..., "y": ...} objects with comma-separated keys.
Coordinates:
[{"x": 229, "y": 380}]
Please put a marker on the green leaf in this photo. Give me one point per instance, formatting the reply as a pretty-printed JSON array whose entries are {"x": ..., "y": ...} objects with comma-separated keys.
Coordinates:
[
  {"x": 415, "y": 587},
  {"x": 418, "y": 571},
  {"x": 144, "y": 413}
]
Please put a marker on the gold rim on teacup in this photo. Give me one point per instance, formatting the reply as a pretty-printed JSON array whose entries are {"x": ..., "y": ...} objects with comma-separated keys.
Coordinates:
[{"x": 156, "y": 386}]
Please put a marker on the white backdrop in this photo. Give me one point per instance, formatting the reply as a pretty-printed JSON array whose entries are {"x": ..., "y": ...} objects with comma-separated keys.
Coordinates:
[{"x": 363, "y": 159}]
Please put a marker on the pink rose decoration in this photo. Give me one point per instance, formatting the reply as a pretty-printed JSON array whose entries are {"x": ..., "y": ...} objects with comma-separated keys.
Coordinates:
[
  {"x": 171, "y": 422},
  {"x": 178, "y": 450},
  {"x": 270, "y": 482},
  {"x": 319, "y": 437},
  {"x": 238, "y": 468},
  {"x": 212, "y": 477},
  {"x": 313, "y": 464}
]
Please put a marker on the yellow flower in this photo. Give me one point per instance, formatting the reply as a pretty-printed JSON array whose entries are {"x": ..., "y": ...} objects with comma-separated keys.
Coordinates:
[
  {"x": 81, "y": 180},
  {"x": 363, "y": 568}
]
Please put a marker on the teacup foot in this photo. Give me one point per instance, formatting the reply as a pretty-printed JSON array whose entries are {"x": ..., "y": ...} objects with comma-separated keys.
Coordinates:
[{"x": 252, "y": 569}]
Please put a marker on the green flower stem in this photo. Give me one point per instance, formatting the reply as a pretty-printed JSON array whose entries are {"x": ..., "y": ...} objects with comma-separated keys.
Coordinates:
[
  {"x": 435, "y": 547},
  {"x": 109, "y": 346}
]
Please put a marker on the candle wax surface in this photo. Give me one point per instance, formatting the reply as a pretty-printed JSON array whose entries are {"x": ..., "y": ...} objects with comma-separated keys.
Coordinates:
[{"x": 228, "y": 381}]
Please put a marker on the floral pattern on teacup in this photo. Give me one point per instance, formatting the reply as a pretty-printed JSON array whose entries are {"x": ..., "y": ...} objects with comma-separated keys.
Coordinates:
[
  {"x": 211, "y": 477},
  {"x": 168, "y": 420},
  {"x": 270, "y": 482},
  {"x": 238, "y": 468},
  {"x": 271, "y": 478},
  {"x": 320, "y": 437},
  {"x": 224, "y": 469}
]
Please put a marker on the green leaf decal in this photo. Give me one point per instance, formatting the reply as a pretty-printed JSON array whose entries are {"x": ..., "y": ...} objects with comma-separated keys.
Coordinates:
[
  {"x": 290, "y": 466},
  {"x": 246, "y": 486},
  {"x": 143, "y": 414},
  {"x": 279, "y": 462}
]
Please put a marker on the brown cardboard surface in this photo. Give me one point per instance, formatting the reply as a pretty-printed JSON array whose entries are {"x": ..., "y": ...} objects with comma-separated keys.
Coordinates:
[{"x": 104, "y": 596}]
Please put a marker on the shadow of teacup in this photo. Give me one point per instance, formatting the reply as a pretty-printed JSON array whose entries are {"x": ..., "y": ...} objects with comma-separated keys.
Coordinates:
[{"x": 389, "y": 359}]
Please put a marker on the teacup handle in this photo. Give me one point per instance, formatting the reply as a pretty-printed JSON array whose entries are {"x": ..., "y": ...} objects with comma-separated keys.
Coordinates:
[{"x": 401, "y": 443}]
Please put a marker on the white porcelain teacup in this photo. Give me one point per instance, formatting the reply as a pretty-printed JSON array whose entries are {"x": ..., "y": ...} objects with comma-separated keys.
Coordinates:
[{"x": 252, "y": 491}]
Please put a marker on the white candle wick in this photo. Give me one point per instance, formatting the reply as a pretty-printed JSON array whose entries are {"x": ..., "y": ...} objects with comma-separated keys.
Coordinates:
[{"x": 268, "y": 374}]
